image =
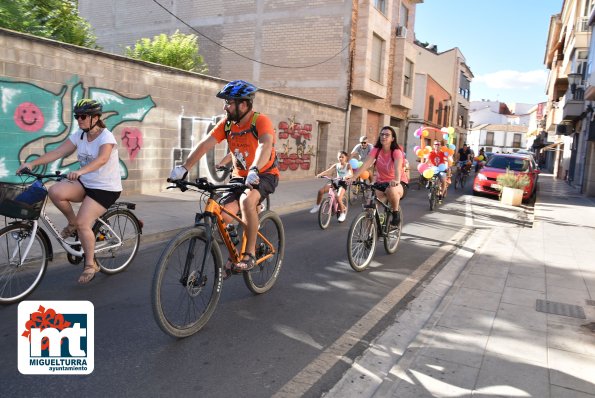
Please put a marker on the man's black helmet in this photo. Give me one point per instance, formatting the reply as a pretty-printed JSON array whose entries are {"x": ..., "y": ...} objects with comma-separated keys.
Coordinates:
[
  {"x": 87, "y": 106},
  {"x": 238, "y": 90}
]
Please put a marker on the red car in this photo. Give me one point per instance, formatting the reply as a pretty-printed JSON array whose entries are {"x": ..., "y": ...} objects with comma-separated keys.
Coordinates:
[{"x": 485, "y": 181}]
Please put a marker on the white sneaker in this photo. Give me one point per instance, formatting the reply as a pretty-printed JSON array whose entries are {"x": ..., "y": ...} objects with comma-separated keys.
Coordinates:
[
  {"x": 342, "y": 217},
  {"x": 315, "y": 209}
]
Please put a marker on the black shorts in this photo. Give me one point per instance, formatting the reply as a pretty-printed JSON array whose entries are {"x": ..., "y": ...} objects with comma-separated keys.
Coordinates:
[
  {"x": 266, "y": 186},
  {"x": 381, "y": 186},
  {"x": 104, "y": 198}
]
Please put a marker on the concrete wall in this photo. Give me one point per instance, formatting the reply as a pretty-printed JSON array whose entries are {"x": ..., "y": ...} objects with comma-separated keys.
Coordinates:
[{"x": 144, "y": 106}]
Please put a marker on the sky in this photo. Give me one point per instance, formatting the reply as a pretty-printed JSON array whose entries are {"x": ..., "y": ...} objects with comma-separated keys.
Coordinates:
[{"x": 503, "y": 42}]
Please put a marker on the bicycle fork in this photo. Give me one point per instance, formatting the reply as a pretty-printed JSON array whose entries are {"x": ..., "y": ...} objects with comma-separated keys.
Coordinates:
[
  {"x": 18, "y": 239},
  {"x": 196, "y": 280}
]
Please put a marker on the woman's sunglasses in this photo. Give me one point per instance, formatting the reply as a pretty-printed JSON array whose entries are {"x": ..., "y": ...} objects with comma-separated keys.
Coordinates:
[{"x": 81, "y": 117}]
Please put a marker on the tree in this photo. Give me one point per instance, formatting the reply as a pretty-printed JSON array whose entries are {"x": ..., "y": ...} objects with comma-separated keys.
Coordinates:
[
  {"x": 53, "y": 19},
  {"x": 178, "y": 50}
]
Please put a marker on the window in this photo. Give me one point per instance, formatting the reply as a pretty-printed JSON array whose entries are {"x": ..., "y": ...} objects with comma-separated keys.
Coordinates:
[
  {"x": 380, "y": 5},
  {"x": 516, "y": 142},
  {"x": 404, "y": 16},
  {"x": 431, "y": 109},
  {"x": 407, "y": 78},
  {"x": 489, "y": 138},
  {"x": 377, "y": 59}
]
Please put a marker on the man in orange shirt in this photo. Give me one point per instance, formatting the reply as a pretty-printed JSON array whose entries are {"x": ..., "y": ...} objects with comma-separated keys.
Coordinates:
[
  {"x": 251, "y": 140},
  {"x": 435, "y": 158}
]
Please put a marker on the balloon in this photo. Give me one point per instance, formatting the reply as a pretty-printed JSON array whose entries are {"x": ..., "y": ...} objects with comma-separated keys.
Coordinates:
[
  {"x": 442, "y": 167},
  {"x": 452, "y": 146},
  {"x": 364, "y": 175},
  {"x": 451, "y": 130},
  {"x": 445, "y": 136},
  {"x": 443, "y": 149},
  {"x": 480, "y": 158},
  {"x": 422, "y": 167},
  {"x": 417, "y": 132},
  {"x": 428, "y": 173},
  {"x": 444, "y": 130},
  {"x": 451, "y": 151},
  {"x": 427, "y": 150},
  {"x": 419, "y": 153},
  {"x": 425, "y": 133},
  {"x": 416, "y": 148},
  {"x": 435, "y": 169},
  {"x": 360, "y": 164},
  {"x": 353, "y": 163}
]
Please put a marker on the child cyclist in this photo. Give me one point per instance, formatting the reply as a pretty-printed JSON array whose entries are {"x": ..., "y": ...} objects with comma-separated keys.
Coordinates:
[{"x": 343, "y": 169}]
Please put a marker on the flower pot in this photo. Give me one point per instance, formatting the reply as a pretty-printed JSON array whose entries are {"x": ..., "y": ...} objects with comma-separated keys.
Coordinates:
[{"x": 511, "y": 196}]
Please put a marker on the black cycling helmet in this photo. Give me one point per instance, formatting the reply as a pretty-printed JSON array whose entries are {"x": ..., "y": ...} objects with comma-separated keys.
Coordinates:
[
  {"x": 87, "y": 106},
  {"x": 238, "y": 90}
]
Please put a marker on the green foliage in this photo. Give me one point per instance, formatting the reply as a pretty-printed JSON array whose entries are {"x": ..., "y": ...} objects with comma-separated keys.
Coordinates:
[
  {"x": 512, "y": 180},
  {"x": 178, "y": 50},
  {"x": 54, "y": 19}
]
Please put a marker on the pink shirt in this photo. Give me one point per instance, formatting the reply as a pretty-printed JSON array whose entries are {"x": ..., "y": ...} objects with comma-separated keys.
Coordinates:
[{"x": 385, "y": 165}]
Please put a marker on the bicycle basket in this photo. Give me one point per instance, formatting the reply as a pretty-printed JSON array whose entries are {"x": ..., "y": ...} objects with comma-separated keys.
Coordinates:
[{"x": 20, "y": 201}]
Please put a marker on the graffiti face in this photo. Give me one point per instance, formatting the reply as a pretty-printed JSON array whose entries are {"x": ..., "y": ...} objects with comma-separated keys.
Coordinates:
[
  {"x": 28, "y": 117},
  {"x": 132, "y": 138}
]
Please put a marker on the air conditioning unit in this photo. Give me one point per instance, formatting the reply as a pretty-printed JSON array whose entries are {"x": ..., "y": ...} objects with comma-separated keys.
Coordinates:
[
  {"x": 561, "y": 129},
  {"x": 401, "y": 31}
]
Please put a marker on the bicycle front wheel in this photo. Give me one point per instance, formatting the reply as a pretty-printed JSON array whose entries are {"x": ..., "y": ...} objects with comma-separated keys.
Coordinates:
[
  {"x": 353, "y": 192},
  {"x": 393, "y": 232},
  {"x": 21, "y": 271},
  {"x": 126, "y": 227},
  {"x": 433, "y": 197},
  {"x": 463, "y": 180},
  {"x": 186, "y": 283},
  {"x": 262, "y": 277},
  {"x": 361, "y": 241},
  {"x": 324, "y": 214}
]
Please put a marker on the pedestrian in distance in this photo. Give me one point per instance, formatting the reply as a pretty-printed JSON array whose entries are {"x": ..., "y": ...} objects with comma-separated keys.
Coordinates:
[
  {"x": 389, "y": 161},
  {"x": 251, "y": 140},
  {"x": 96, "y": 184},
  {"x": 342, "y": 169}
]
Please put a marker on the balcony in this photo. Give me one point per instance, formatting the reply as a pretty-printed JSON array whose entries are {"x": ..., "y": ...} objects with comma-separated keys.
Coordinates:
[{"x": 573, "y": 105}]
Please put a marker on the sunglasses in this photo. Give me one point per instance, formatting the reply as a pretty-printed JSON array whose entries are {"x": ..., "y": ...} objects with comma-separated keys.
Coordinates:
[
  {"x": 436, "y": 144},
  {"x": 230, "y": 102},
  {"x": 80, "y": 117},
  {"x": 385, "y": 134}
]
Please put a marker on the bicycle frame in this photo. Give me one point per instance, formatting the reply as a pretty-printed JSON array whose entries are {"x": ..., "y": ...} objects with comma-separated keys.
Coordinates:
[{"x": 68, "y": 246}]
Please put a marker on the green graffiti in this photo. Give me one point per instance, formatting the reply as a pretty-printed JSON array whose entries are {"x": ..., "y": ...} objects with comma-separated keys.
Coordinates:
[{"x": 29, "y": 113}]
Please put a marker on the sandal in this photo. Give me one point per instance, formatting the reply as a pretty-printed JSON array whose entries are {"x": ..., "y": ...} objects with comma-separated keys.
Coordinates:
[
  {"x": 89, "y": 273},
  {"x": 227, "y": 269},
  {"x": 245, "y": 264},
  {"x": 68, "y": 231}
]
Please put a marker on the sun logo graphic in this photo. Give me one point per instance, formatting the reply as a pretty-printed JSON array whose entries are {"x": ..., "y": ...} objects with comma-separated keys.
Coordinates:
[{"x": 56, "y": 337}]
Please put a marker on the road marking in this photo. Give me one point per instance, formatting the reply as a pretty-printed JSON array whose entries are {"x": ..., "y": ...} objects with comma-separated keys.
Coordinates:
[
  {"x": 468, "y": 211},
  {"x": 308, "y": 376}
]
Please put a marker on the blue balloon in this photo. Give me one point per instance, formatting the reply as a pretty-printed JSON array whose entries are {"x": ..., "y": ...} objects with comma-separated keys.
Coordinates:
[
  {"x": 353, "y": 163},
  {"x": 442, "y": 167}
]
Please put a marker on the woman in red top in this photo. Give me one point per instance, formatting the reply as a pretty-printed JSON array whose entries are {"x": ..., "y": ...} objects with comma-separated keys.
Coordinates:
[{"x": 390, "y": 162}]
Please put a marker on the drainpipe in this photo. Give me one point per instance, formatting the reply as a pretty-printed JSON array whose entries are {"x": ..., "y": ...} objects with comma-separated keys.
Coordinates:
[{"x": 347, "y": 123}]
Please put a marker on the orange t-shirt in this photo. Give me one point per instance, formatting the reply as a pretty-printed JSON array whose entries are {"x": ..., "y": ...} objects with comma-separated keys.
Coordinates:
[{"x": 243, "y": 144}]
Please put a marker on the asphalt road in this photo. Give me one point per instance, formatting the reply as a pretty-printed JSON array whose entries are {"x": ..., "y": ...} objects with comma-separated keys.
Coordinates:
[{"x": 253, "y": 345}]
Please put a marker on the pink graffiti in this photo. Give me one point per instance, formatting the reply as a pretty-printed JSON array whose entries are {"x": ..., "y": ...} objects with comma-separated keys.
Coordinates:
[
  {"x": 132, "y": 138},
  {"x": 28, "y": 117}
]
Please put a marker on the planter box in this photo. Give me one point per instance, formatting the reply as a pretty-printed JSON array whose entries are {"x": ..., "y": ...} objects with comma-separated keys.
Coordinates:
[{"x": 511, "y": 196}]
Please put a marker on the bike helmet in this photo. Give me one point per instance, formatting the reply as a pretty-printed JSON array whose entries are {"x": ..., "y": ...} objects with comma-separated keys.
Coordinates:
[
  {"x": 238, "y": 90},
  {"x": 87, "y": 106}
]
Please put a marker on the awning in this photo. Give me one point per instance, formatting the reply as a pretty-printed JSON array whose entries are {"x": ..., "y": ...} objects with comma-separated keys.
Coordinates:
[{"x": 552, "y": 147}]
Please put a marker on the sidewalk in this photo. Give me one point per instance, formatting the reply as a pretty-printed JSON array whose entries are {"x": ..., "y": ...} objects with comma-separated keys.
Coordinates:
[{"x": 512, "y": 314}]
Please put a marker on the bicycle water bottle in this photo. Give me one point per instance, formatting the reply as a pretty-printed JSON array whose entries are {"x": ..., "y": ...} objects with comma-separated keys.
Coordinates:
[
  {"x": 382, "y": 217},
  {"x": 233, "y": 233}
]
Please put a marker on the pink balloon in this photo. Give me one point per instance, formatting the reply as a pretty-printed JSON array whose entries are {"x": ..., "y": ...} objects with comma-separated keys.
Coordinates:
[{"x": 421, "y": 167}]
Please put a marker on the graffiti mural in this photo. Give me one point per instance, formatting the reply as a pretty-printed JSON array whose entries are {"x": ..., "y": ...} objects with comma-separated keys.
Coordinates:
[
  {"x": 29, "y": 113},
  {"x": 299, "y": 155}
]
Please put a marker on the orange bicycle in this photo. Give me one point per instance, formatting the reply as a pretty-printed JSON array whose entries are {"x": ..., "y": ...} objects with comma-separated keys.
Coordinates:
[{"x": 189, "y": 274}]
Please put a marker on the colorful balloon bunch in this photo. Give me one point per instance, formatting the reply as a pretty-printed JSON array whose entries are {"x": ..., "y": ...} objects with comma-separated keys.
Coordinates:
[
  {"x": 422, "y": 151},
  {"x": 356, "y": 164}
]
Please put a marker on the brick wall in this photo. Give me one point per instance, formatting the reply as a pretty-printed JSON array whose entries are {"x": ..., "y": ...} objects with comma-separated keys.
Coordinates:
[{"x": 144, "y": 102}]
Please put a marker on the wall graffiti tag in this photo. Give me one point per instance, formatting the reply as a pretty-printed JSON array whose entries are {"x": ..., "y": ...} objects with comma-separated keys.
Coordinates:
[
  {"x": 298, "y": 156},
  {"x": 29, "y": 113}
]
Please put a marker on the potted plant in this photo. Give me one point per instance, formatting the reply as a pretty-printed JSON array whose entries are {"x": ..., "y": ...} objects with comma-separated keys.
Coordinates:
[{"x": 512, "y": 186}]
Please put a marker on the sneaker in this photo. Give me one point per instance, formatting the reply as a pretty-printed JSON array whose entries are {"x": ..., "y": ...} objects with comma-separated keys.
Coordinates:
[
  {"x": 342, "y": 217},
  {"x": 315, "y": 209},
  {"x": 396, "y": 220}
]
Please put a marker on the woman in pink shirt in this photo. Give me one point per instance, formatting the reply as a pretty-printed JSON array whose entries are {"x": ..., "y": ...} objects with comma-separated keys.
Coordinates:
[{"x": 391, "y": 178}]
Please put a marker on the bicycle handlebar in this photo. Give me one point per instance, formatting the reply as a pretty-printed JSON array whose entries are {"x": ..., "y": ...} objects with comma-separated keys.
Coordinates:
[
  {"x": 204, "y": 185},
  {"x": 57, "y": 176}
]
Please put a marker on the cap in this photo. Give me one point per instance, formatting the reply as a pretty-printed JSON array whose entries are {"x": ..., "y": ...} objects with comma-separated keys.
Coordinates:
[{"x": 363, "y": 138}]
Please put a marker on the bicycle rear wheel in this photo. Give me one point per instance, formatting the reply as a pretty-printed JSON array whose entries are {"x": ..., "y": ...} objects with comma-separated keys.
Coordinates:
[
  {"x": 463, "y": 180},
  {"x": 324, "y": 214},
  {"x": 262, "y": 277},
  {"x": 127, "y": 228},
  {"x": 18, "y": 280},
  {"x": 457, "y": 180},
  {"x": 432, "y": 196},
  {"x": 361, "y": 241},
  {"x": 392, "y": 235},
  {"x": 183, "y": 302}
]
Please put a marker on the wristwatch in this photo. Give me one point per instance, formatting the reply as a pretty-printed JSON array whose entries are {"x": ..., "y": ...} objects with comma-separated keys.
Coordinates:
[{"x": 254, "y": 168}]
